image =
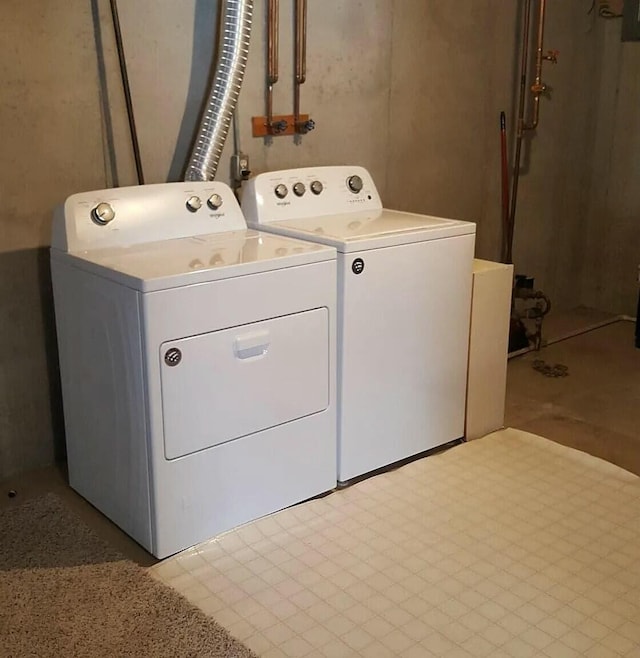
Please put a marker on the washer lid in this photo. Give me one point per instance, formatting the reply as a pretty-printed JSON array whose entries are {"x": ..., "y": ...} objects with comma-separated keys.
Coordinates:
[
  {"x": 371, "y": 229},
  {"x": 172, "y": 263}
]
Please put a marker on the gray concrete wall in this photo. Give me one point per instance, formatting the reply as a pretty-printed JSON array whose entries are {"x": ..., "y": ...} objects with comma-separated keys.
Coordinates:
[
  {"x": 410, "y": 89},
  {"x": 453, "y": 72},
  {"x": 169, "y": 46},
  {"x": 612, "y": 249},
  {"x": 51, "y": 147}
]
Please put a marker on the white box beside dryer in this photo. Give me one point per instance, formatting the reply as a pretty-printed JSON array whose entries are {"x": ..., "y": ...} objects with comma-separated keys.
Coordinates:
[
  {"x": 488, "y": 347},
  {"x": 404, "y": 296},
  {"x": 197, "y": 361}
]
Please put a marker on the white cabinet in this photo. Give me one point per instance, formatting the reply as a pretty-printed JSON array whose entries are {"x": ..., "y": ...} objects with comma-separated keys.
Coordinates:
[{"x": 488, "y": 347}]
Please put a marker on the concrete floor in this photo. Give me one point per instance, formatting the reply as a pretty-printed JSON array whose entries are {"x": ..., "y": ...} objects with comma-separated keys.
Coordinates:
[{"x": 595, "y": 409}]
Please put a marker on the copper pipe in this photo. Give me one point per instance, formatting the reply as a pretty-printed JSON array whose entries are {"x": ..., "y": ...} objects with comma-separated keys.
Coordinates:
[
  {"x": 301, "y": 41},
  {"x": 524, "y": 60},
  {"x": 272, "y": 55},
  {"x": 538, "y": 87},
  {"x": 272, "y": 40},
  {"x": 507, "y": 255},
  {"x": 300, "y": 54}
]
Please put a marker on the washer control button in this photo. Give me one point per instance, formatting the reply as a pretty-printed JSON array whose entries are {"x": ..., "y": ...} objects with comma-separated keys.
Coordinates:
[
  {"x": 299, "y": 189},
  {"x": 214, "y": 201},
  {"x": 103, "y": 213},
  {"x": 354, "y": 183},
  {"x": 194, "y": 203},
  {"x": 281, "y": 191},
  {"x": 316, "y": 187}
]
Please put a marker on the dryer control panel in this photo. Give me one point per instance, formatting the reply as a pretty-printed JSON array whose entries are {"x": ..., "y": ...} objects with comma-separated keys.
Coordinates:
[
  {"x": 125, "y": 216},
  {"x": 308, "y": 192}
]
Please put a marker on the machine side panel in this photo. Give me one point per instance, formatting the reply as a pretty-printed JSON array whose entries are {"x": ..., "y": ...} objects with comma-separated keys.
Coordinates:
[
  {"x": 99, "y": 343},
  {"x": 403, "y": 350}
]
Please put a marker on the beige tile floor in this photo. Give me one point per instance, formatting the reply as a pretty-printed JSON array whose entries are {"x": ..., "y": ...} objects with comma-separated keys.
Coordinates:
[{"x": 511, "y": 545}]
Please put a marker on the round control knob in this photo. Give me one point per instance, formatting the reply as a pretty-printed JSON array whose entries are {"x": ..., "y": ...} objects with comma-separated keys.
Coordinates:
[
  {"x": 194, "y": 203},
  {"x": 354, "y": 183},
  {"x": 214, "y": 201},
  {"x": 316, "y": 187},
  {"x": 299, "y": 189},
  {"x": 103, "y": 213},
  {"x": 281, "y": 191}
]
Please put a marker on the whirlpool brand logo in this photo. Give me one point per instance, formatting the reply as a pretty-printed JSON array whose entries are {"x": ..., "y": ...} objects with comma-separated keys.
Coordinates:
[
  {"x": 173, "y": 357},
  {"x": 357, "y": 267}
]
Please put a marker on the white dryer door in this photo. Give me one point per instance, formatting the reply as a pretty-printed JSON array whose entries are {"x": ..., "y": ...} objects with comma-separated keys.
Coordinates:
[{"x": 229, "y": 383}]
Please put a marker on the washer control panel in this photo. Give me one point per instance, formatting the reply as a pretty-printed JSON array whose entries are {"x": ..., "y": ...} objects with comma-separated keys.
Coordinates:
[
  {"x": 146, "y": 213},
  {"x": 308, "y": 192}
]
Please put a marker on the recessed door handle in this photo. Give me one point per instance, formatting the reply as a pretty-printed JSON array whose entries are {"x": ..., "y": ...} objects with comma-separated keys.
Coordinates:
[{"x": 252, "y": 345}]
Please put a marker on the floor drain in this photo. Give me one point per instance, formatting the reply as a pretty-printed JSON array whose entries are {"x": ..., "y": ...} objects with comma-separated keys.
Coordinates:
[{"x": 548, "y": 370}]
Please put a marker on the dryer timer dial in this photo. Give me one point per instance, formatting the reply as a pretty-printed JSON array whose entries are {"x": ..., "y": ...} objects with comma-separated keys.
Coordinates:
[
  {"x": 214, "y": 201},
  {"x": 103, "y": 213}
]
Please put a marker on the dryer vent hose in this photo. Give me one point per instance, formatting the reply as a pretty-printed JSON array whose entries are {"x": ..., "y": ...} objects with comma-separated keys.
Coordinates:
[{"x": 233, "y": 50}]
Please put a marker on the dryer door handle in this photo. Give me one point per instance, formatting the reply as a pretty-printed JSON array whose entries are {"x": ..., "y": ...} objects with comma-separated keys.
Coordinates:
[{"x": 251, "y": 345}]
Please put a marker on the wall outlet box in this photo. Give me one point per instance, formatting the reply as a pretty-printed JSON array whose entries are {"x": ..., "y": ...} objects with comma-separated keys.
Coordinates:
[{"x": 631, "y": 20}]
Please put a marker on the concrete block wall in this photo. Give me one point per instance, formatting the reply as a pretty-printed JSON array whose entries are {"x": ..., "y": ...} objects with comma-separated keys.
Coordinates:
[{"x": 410, "y": 89}]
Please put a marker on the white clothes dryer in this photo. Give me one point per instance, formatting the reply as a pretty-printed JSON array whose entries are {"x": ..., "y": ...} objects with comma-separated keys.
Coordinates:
[
  {"x": 404, "y": 303},
  {"x": 197, "y": 360}
]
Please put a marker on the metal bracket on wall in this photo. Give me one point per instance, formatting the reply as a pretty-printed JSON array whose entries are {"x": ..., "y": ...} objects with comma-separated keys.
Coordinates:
[{"x": 261, "y": 128}]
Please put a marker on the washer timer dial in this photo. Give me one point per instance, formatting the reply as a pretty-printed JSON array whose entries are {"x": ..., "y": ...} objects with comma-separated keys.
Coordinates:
[{"x": 354, "y": 183}]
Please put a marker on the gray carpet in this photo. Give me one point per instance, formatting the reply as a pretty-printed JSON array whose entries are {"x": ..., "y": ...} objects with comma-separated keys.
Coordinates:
[{"x": 64, "y": 592}]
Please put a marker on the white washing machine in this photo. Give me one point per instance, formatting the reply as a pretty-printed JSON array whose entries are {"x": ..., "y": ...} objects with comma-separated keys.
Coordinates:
[
  {"x": 404, "y": 300},
  {"x": 197, "y": 361}
]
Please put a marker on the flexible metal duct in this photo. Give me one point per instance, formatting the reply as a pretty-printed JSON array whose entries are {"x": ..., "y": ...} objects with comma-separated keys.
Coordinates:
[{"x": 233, "y": 50}]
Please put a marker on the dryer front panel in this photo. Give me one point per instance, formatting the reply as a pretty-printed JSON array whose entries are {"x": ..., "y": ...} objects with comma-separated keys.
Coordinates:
[{"x": 230, "y": 383}]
